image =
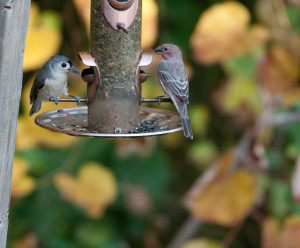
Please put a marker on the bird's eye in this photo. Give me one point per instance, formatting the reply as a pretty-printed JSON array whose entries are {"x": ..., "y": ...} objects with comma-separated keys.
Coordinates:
[
  {"x": 63, "y": 65},
  {"x": 165, "y": 49}
]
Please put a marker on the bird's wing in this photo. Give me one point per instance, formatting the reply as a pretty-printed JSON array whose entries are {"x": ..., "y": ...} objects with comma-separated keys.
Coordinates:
[
  {"x": 173, "y": 77},
  {"x": 38, "y": 84}
]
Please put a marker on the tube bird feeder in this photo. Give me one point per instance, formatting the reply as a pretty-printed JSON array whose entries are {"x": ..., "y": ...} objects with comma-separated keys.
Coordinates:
[{"x": 113, "y": 81}]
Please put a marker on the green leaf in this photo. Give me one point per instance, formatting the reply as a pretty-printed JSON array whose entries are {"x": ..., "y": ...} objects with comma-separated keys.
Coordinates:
[
  {"x": 152, "y": 173},
  {"x": 294, "y": 16},
  {"x": 202, "y": 152},
  {"x": 279, "y": 198},
  {"x": 102, "y": 234},
  {"x": 242, "y": 66}
]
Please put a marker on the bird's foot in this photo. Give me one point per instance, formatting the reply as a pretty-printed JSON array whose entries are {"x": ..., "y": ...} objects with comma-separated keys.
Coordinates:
[
  {"x": 77, "y": 98},
  {"x": 159, "y": 99},
  {"x": 55, "y": 98}
]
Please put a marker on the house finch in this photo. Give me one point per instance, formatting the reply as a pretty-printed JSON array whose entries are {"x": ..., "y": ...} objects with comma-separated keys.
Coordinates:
[
  {"x": 174, "y": 82},
  {"x": 51, "y": 81}
]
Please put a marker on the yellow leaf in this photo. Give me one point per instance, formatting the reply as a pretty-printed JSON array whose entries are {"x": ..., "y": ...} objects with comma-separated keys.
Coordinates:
[
  {"x": 221, "y": 196},
  {"x": 278, "y": 70},
  {"x": 285, "y": 236},
  {"x": 290, "y": 238},
  {"x": 270, "y": 233},
  {"x": 30, "y": 135},
  {"x": 241, "y": 91},
  {"x": 43, "y": 40},
  {"x": 291, "y": 97},
  {"x": 201, "y": 243},
  {"x": 30, "y": 240},
  {"x": 224, "y": 17},
  {"x": 84, "y": 10},
  {"x": 222, "y": 32},
  {"x": 93, "y": 189},
  {"x": 149, "y": 23},
  {"x": 240, "y": 98},
  {"x": 22, "y": 184}
]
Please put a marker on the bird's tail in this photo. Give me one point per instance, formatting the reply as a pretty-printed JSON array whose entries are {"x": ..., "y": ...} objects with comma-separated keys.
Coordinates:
[
  {"x": 36, "y": 106},
  {"x": 187, "y": 129},
  {"x": 182, "y": 110}
]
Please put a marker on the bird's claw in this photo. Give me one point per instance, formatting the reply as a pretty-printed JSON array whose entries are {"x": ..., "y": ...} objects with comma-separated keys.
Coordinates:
[
  {"x": 159, "y": 99},
  {"x": 55, "y": 99},
  {"x": 77, "y": 98}
]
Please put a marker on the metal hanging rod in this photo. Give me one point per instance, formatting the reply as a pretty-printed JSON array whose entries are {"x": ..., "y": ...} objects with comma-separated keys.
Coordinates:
[
  {"x": 143, "y": 100},
  {"x": 159, "y": 100}
]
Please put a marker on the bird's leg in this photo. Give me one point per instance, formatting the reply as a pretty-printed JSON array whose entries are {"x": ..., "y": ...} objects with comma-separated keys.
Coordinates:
[
  {"x": 159, "y": 98},
  {"x": 77, "y": 98},
  {"x": 55, "y": 98}
]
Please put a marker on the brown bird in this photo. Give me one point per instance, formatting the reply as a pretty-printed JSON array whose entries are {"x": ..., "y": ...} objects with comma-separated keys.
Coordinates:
[{"x": 174, "y": 82}]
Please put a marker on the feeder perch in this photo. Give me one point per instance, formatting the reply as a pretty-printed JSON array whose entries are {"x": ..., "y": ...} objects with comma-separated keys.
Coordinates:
[{"x": 114, "y": 80}]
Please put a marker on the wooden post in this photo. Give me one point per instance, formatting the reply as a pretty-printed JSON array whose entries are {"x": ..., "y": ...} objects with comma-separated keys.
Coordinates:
[
  {"x": 115, "y": 107},
  {"x": 14, "y": 17}
]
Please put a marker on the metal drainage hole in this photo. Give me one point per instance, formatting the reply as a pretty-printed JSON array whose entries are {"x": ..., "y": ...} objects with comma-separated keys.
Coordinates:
[{"x": 118, "y": 130}]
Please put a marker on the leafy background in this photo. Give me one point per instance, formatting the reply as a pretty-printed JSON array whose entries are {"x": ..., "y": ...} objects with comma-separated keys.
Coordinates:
[{"x": 237, "y": 184}]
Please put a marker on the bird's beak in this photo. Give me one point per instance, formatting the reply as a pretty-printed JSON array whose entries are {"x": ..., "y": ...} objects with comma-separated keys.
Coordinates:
[
  {"x": 73, "y": 69},
  {"x": 158, "y": 50}
]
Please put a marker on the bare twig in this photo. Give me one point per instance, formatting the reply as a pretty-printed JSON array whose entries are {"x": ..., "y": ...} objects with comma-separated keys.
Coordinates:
[
  {"x": 258, "y": 217},
  {"x": 285, "y": 118},
  {"x": 230, "y": 236},
  {"x": 186, "y": 232},
  {"x": 279, "y": 11}
]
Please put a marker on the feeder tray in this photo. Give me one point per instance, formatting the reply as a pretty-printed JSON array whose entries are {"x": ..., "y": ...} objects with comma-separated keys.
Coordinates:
[{"x": 73, "y": 121}]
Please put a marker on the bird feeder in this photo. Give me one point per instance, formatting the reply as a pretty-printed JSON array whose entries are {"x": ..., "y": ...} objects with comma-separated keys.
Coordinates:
[{"x": 114, "y": 81}]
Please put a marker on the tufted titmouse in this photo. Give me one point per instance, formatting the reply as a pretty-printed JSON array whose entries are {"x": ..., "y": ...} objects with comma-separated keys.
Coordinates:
[
  {"x": 51, "y": 81},
  {"x": 174, "y": 81}
]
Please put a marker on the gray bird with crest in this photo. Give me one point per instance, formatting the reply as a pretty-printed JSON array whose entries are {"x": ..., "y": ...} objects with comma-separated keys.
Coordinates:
[{"x": 51, "y": 82}]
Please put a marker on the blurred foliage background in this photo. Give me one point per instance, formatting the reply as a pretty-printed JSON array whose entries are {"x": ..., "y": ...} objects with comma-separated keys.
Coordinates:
[{"x": 237, "y": 184}]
